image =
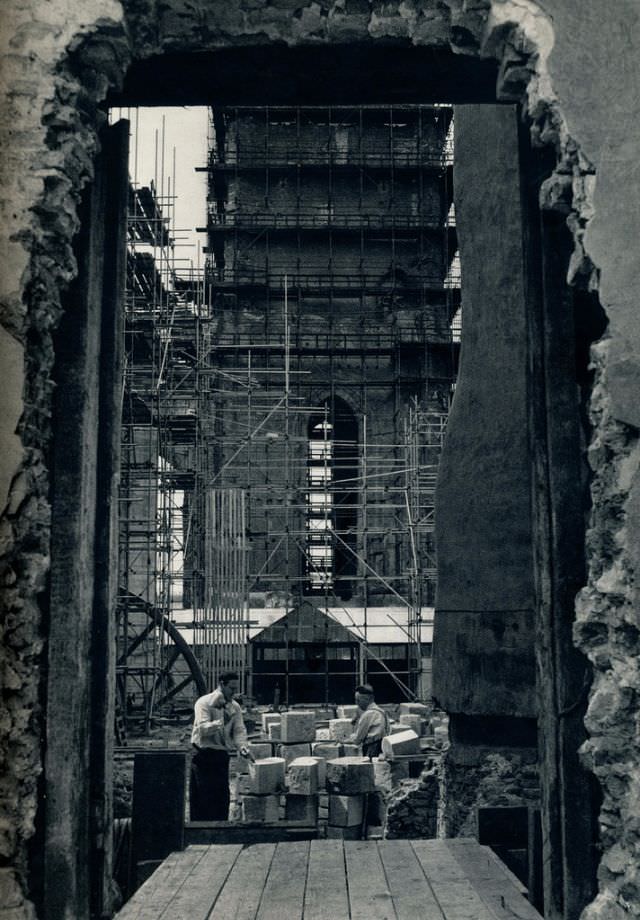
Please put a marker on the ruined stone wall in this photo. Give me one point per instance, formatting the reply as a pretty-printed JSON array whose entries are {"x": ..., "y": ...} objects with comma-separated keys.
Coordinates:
[
  {"x": 473, "y": 777},
  {"x": 585, "y": 69}
]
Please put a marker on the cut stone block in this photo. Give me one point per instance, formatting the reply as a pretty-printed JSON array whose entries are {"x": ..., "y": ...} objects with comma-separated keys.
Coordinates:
[
  {"x": 303, "y": 776},
  {"x": 350, "y": 776},
  {"x": 351, "y": 750},
  {"x": 261, "y": 749},
  {"x": 298, "y": 726},
  {"x": 267, "y": 776},
  {"x": 274, "y": 731},
  {"x": 414, "y": 709},
  {"x": 290, "y": 752},
  {"x": 348, "y": 712},
  {"x": 411, "y": 721},
  {"x": 344, "y": 833},
  {"x": 329, "y": 750},
  {"x": 405, "y": 742},
  {"x": 270, "y": 718},
  {"x": 302, "y": 808},
  {"x": 322, "y": 734},
  {"x": 323, "y": 715},
  {"x": 340, "y": 729},
  {"x": 260, "y": 808},
  {"x": 346, "y": 810}
]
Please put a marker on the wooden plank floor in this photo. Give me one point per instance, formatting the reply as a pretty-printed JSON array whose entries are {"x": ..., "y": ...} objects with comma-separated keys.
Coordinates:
[{"x": 332, "y": 880}]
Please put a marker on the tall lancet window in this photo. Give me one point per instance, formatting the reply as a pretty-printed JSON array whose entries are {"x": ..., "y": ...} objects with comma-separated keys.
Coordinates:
[{"x": 332, "y": 502}]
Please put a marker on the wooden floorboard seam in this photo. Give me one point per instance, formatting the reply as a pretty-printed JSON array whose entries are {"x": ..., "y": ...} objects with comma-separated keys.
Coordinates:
[
  {"x": 386, "y": 879},
  {"x": 264, "y": 885},
  {"x": 346, "y": 878},
  {"x": 221, "y": 888},
  {"x": 306, "y": 879},
  {"x": 180, "y": 887},
  {"x": 435, "y": 896}
]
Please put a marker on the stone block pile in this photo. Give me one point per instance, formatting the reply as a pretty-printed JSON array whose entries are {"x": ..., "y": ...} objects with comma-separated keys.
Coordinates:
[
  {"x": 306, "y": 770},
  {"x": 264, "y": 784},
  {"x": 350, "y": 782},
  {"x": 288, "y": 778}
]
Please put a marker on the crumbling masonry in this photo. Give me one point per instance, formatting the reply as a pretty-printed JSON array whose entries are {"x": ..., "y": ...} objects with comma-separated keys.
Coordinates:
[{"x": 574, "y": 68}]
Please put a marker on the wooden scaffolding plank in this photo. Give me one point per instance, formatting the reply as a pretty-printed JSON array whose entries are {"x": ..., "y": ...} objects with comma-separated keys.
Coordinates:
[
  {"x": 457, "y": 897},
  {"x": 411, "y": 892},
  {"x": 240, "y": 897},
  {"x": 493, "y": 881},
  {"x": 326, "y": 894},
  {"x": 283, "y": 893},
  {"x": 202, "y": 886},
  {"x": 369, "y": 895},
  {"x": 481, "y": 861},
  {"x": 151, "y": 899}
]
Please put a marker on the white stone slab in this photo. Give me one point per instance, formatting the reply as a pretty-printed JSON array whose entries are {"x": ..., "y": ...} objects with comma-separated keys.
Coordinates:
[
  {"x": 405, "y": 742},
  {"x": 298, "y": 726},
  {"x": 350, "y": 776},
  {"x": 340, "y": 729},
  {"x": 267, "y": 775}
]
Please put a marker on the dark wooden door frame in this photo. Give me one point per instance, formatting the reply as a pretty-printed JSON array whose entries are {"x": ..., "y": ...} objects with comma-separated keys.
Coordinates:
[{"x": 79, "y": 687}]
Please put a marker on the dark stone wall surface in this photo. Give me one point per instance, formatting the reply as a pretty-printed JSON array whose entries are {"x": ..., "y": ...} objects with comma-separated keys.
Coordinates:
[
  {"x": 579, "y": 66},
  {"x": 483, "y": 640}
]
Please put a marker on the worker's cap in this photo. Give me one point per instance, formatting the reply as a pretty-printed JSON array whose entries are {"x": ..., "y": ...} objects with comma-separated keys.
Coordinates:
[{"x": 367, "y": 689}]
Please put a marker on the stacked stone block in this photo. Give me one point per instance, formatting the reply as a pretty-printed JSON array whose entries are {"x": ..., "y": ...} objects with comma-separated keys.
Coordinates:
[
  {"x": 270, "y": 718},
  {"x": 350, "y": 780},
  {"x": 404, "y": 742},
  {"x": 329, "y": 750},
  {"x": 305, "y": 781},
  {"x": 291, "y": 752},
  {"x": 264, "y": 783},
  {"x": 340, "y": 729},
  {"x": 414, "y": 722},
  {"x": 348, "y": 712}
]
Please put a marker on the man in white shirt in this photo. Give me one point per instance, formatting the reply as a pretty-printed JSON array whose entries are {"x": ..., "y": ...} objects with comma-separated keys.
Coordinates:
[
  {"x": 371, "y": 723},
  {"x": 218, "y": 729}
]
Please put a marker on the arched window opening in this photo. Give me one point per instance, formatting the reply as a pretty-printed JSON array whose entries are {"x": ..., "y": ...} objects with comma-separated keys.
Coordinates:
[{"x": 332, "y": 516}]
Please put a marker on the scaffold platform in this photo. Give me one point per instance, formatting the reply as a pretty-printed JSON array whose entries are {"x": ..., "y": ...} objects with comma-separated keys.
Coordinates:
[{"x": 333, "y": 880}]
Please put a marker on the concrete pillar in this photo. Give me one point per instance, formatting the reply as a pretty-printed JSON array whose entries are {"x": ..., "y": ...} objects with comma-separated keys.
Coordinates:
[{"x": 484, "y": 666}]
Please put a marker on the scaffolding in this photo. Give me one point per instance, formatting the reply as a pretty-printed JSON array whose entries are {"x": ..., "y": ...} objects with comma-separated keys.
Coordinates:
[
  {"x": 161, "y": 454},
  {"x": 335, "y": 283},
  {"x": 284, "y": 404}
]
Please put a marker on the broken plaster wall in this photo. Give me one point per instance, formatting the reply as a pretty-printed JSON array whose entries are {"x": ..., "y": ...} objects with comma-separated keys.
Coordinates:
[{"x": 580, "y": 62}]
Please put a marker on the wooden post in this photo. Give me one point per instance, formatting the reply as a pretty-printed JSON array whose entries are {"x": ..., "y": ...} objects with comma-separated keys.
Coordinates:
[{"x": 114, "y": 161}]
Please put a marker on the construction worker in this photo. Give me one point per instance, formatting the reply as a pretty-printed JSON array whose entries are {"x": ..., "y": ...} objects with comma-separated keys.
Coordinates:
[
  {"x": 218, "y": 729},
  {"x": 371, "y": 724}
]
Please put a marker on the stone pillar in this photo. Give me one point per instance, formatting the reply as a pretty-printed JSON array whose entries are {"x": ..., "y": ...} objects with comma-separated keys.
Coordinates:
[{"x": 484, "y": 666}]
